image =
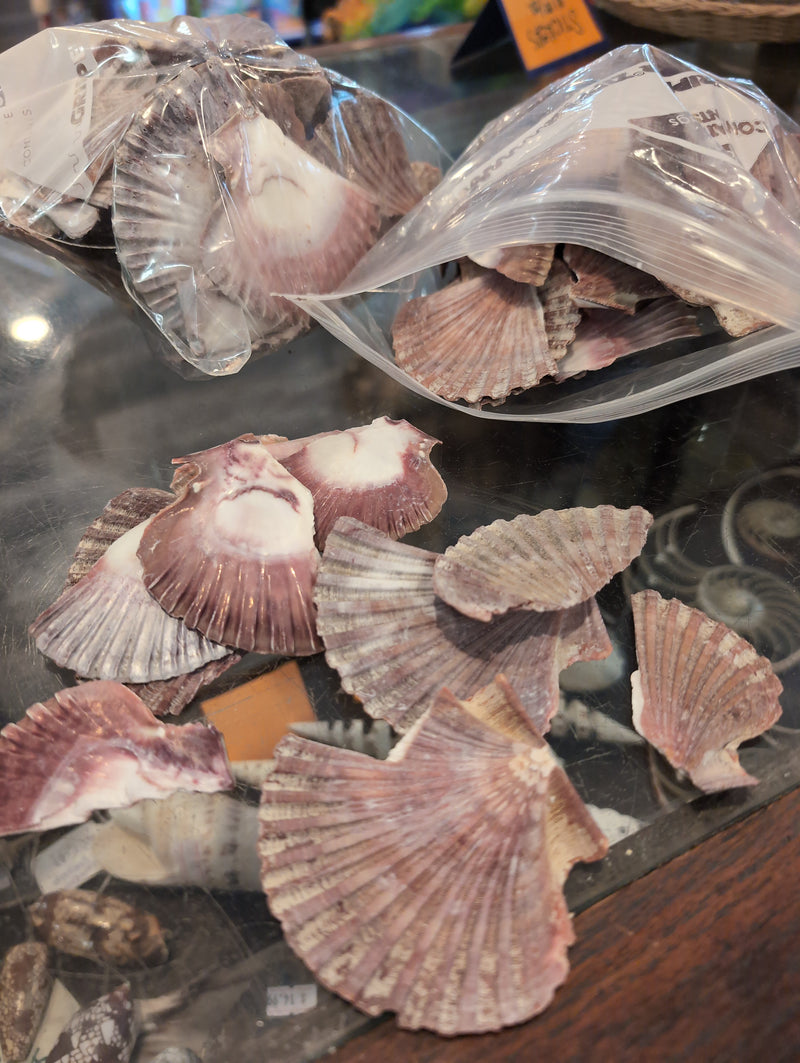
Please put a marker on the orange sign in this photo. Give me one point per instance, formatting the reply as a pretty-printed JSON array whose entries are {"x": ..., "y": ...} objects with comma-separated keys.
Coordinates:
[
  {"x": 255, "y": 716},
  {"x": 546, "y": 31}
]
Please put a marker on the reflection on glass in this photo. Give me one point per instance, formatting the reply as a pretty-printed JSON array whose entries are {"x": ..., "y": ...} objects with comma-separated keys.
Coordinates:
[{"x": 31, "y": 328}]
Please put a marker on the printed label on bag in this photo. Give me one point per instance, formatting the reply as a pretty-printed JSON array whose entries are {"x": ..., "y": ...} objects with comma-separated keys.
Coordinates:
[
  {"x": 45, "y": 110},
  {"x": 546, "y": 31},
  {"x": 285, "y": 1000}
]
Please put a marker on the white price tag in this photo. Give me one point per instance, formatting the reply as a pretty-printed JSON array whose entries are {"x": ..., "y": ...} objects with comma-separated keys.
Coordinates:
[
  {"x": 290, "y": 1000},
  {"x": 69, "y": 862}
]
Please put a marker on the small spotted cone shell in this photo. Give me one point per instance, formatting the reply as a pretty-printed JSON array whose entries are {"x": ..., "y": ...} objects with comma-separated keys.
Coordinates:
[
  {"x": 25, "y": 986},
  {"x": 549, "y": 560},
  {"x": 700, "y": 691},
  {"x": 395, "y": 644},
  {"x": 478, "y": 339},
  {"x": 106, "y": 1030},
  {"x": 430, "y": 884}
]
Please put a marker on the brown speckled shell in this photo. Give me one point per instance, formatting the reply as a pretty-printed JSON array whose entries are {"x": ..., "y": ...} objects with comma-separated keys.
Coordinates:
[
  {"x": 395, "y": 644},
  {"x": 549, "y": 560},
  {"x": 25, "y": 986},
  {"x": 430, "y": 884},
  {"x": 700, "y": 690},
  {"x": 98, "y": 926}
]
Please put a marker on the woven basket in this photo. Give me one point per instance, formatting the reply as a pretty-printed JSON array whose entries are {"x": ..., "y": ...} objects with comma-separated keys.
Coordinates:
[{"x": 721, "y": 20}]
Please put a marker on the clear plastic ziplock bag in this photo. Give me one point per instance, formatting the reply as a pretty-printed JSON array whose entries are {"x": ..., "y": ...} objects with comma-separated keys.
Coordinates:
[
  {"x": 638, "y": 205},
  {"x": 209, "y": 166}
]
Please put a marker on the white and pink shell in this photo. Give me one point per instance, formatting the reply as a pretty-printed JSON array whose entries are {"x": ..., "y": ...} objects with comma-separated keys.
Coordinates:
[
  {"x": 700, "y": 691},
  {"x": 430, "y": 884}
]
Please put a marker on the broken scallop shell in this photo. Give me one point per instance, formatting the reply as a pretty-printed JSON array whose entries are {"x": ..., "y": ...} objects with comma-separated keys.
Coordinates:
[
  {"x": 605, "y": 281},
  {"x": 98, "y": 926},
  {"x": 525, "y": 263},
  {"x": 699, "y": 692},
  {"x": 25, "y": 987},
  {"x": 107, "y": 626},
  {"x": 380, "y": 473},
  {"x": 234, "y": 555},
  {"x": 475, "y": 339},
  {"x": 549, "y": 560},
  {"x": 430, "y": 884},
  {"x": 98, "y": 746},
  {"x": 395, "y": 644},
  {"x": 603, "y": 336}
]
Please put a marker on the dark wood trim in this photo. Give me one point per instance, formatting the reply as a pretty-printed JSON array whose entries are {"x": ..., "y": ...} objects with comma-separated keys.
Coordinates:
[{"x": 697, "y": 961}]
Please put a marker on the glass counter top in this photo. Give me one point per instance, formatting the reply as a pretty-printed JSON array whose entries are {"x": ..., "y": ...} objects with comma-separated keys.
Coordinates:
[{"x": 87, "y": 409}]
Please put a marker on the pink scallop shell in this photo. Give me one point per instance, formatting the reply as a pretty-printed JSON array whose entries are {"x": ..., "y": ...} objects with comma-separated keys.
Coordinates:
[
  {"x": 525, "y": 263},
  {"x": 234, "y": 556},
  {"x": 605, "y": 281},
  {"x": 395, "y": 644},
  {"x": 603, "y": 336},
  {"x": 700, "y": 691},
  {"x": 291, "y": 225},
  {"x": 544, "y": 561},
  {"x": 430, "y": 884},
  {"x": 380, "y": 473},
  {"x": 97, "y": 746},
  {"x": 478, "y": 339},
  {"x": 107, "y": 626}
]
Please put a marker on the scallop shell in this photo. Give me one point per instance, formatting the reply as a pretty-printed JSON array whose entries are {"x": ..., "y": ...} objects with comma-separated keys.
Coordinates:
[
  {"x": 206, "y": 840},
  {"x": 234, "y": 556},
  {"x": 525, "y": 263},
  {"x": 290, "y": 224},
  {"x": 475, "y": 339},
  {"x": 122, "y": 513},
  {"x": 543, "y": 561},
  {"x": 380, "y": 473},
  {"x": 361, "y": 138},
  {"x": 603, "y": 336},
  {"x": 98, "y": 746},
  {"x": 395, "y": 644},
  {"x": 605, "y": 281},
  {"x": 169, "y": 697},
  {"x": 98, "y": 926},
  {"x": 734, "y": 319},
  {"x": 159, "y": 247},
  {"x": 25, "y": 987},
  {"x": 430, "y": 884},
  {"x": 700, "y": 691},
  {"x": 107, "y": 626}
]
